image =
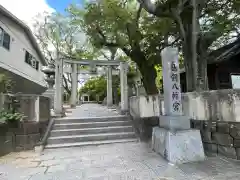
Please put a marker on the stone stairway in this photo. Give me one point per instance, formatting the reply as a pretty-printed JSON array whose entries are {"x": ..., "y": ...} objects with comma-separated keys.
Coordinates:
[{"x": 71, "y": 132}]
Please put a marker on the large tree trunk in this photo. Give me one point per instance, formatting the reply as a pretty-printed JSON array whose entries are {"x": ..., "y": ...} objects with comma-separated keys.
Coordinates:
[
  {"x": 147, "y": 71},
  {"x": 196, "y": 80},
  {"x": 148, "y": 77},
  {"x": 194, "y": 54},
  {"x": 190, "y": 66},
  {"x": 202, "y": 65}
]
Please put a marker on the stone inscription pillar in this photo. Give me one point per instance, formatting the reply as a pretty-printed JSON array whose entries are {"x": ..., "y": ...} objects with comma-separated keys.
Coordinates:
[{"x": 174, "y": 139}]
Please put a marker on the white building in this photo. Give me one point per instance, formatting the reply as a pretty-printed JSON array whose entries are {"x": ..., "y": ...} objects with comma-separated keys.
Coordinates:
[{"x": 20, "y": 56}]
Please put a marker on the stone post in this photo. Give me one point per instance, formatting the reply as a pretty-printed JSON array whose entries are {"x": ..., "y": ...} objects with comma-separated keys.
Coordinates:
[
  {"x": 174, "y": 139},
  {"x": 50, "y": 79},
  {"x": 37, "y": 108},
  {"x": 124, "y": 87},
  {"x": 58, "y": 99},
  {"x": 74, "y": 85},
  {"x": 109, "y": 87},
  {"x": 2, "y": 100}
]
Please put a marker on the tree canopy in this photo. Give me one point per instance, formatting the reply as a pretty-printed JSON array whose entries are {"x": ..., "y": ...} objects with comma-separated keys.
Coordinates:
[
  {"x": 57, "y": 34},
  {"x": 201, "y": 24},
  {"x": 140, "y": 29},
  {"x": 125, "y": 25},
  {"x": 97, "y": 86}
]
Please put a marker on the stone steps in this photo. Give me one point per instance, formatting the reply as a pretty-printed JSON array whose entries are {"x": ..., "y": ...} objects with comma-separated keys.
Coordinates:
[
  {"x": 71, "y": 132},
  {"x": 90, "y": 119},
  {"x": 90, "y": 137},
  {"x": 89, "y": 143},
  {"x": 65, "y": 132},
  {"x": 92, "y": 124}
]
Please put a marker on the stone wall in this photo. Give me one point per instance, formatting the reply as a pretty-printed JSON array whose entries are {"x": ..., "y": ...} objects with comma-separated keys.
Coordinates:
[
  {"x": 220, "y": 106},
  {"x": 219, "y": 137},
  {"x": 217, "y": 105},
  {"x": 31, "y": 130},
  {"x": 25, "y": 137},
  {"x": 144, "y": 113}
]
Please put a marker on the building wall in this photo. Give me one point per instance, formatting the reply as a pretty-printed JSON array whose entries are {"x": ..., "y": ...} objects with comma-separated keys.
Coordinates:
[{"x": 14, "y": 59}]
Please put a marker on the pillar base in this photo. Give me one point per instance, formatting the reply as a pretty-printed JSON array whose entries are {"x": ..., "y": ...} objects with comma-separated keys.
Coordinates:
[
  {"x": 58, "y": 114},
  {"x": 73, "y": 105},
  {"x": 124, "y": 112},
  {"x": 110, "y": 106},
  {"x": 174, "y": 122},
  {"x": 178, "y": 147}
]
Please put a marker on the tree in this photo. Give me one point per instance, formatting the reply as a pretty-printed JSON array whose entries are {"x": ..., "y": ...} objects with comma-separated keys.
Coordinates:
[
  {"x": 98, "y": 86},
  {"x": 6, "y": 83},
  {"x": 57, "y": 35},
  {"x": 200, "y": 23},
  {"x": 126, "y": 26}
]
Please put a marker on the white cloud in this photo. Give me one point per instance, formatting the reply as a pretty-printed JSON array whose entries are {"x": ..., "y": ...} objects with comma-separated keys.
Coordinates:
[{"x": 26, "y": 10}]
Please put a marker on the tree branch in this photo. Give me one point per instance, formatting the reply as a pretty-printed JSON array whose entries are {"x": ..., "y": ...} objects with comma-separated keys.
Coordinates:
[
  {"x": 157, "y": 10},
  {"x": 65, "y": 83},
  {"x": 126, "y": 51},
  {"x": 208, "y": 38}
]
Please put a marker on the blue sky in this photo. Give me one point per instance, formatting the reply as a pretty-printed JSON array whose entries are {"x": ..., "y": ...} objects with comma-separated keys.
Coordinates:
[{"x": 60, "y": 5}]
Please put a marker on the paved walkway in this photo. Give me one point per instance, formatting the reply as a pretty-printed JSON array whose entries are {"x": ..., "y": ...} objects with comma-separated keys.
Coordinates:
[
  {"x": 91, "y": 110},
  {"x": 128, "y": 161}
]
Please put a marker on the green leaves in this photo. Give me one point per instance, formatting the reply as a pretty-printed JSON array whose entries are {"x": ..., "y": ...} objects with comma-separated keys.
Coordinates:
[
  {"x": 6, "y": 116},
  {"x": 98, "y": 86},
  {"x": 6, "y": 83},
  {"x": 95, "y": 86}
]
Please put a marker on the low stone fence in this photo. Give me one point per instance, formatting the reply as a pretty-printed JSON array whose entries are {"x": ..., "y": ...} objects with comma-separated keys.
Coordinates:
[
  {"x": 25, "y": 137},
  {"x": 215, "y": 113},
  {"x": 29, "y": 132},
  {"x": 220, "y": 137},
  {"x": 145, "y": 114}
]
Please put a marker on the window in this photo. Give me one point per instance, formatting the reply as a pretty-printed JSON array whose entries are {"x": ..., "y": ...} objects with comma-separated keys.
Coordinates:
[
  {"x": 37, "y": 65},
  {"x": 5, "y": 39},
  {"x": 1, "y": 35},
  {"x": 235, "y": 81},
  {"x": 29, "y": 59}
]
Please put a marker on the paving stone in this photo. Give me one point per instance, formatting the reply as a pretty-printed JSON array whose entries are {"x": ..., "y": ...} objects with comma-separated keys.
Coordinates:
[
  {"x": 210, "y": 126},
  {"x": 206, "y": 136},
  {"x": 238, "y": 153},
  {"x": 119, "y": 165},
  {"x": 223, "y": 127},
  {"x": 56, "y": 168},
  {"x": 210, "y": 147},
  {"x": 125, "y": 161},
  {"x": 235, "y": 130},
  {"x": 236, "y": 143},
  {"x": 50, "y": 162},
  {"x": 227, "y": 151},
  {"x": 222, "y": 139}
]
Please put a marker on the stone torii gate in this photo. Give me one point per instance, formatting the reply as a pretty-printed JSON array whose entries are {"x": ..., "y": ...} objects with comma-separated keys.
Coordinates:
[{"x": 58, "y": 98}]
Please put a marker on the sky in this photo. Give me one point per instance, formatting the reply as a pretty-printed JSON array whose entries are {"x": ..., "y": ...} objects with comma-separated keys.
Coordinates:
[
  {"x": 59, "y": 5},
  {"x": 26, "y": 10}
]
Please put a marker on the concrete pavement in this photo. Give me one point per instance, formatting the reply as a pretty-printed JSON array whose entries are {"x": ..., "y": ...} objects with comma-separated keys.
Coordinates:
[{"x": 126, "y": 161}]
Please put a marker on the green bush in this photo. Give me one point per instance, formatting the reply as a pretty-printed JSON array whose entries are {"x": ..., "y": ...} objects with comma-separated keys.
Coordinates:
[{"x": 10, "y": 116}]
